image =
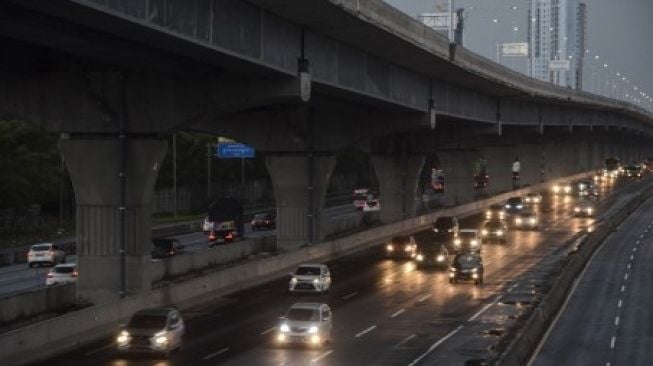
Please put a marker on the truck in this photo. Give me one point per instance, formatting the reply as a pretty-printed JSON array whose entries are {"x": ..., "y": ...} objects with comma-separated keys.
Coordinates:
[{"x": 225, "y": 221}]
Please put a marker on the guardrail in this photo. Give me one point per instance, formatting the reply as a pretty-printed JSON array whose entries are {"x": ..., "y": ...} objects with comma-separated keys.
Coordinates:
[
  {"x": 524, "y": 343},
  {"x": 44, "y": 339}
]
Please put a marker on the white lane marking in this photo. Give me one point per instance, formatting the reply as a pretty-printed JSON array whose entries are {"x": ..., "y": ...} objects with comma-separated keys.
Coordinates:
[
  {"x": 607, "y": 364},
  {"x": 483, "y": 309},
  {"x": 363, "y": 332},
  {"x": 350, "y": 295},
  {"x": 421, "y": 299},
  {"x": 631, "y": 257},
  {"x": 619, "y": 303},
  {"x": 623, "y": 288},
  {"x": 628, "y": 266},
  {"x": 612, "y": 342},
  {"x": 405, "y": 340},
  {"x": 616, "y": 321},
  {"x": 637, "y": 242},
  {"x": 626, "y": 277},
  {"x": 634, "y": 249},
  {"x": 322, "y": 356},
  {"x": 98, "y": 349},
  {"x": 435, "y": 345},
  {"x": 641, "y": 236},
  {"x": 216, "y": 353},
  {"x": 268, "y": 330},
  {"x": 397, "y": 313}
]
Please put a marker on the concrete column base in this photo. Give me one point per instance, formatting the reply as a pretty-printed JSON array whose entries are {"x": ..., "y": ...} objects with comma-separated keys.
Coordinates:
[
  {"x": 94, "y": 167},
  {"x": 290, "y": 179},
  {"x": 499, "y": 167},
  {"x": 398, "y": 177},
  {"x": 531, "y": 161},
  {"x": 458, "y": 166}
]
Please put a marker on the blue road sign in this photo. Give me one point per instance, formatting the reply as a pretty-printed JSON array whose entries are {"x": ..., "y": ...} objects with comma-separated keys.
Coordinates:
[{"x": 235, "y": 151}]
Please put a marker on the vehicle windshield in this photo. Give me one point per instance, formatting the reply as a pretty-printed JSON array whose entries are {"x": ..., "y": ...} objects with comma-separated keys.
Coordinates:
[
  {"x": 360, "y": 196},
  {"x": 492, "y": 225},
  {"x": 526, "y": 214},
  {"x": 467, "y": 261},
  {"x": 400, "y": 240},
  {"x": 63, "y": 269},
  {"x": 40, "y": 248},
  {"x": 443, "y": 223},
  {"x": 532, "y": 195},
  {"x": 496, "y": 208},
  {"x": 304, "y": 315},
  {"x": 147, "y": 321},
  {"x": 308, "y": 271},
  {"x": 514, "y": 201},
  {"x": 261, "y": 217},
  {"x": 467, "y": 235}
]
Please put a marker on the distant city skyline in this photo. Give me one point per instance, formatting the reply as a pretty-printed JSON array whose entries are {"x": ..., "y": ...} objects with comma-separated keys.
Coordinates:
[{"x": 616, "y": 32}]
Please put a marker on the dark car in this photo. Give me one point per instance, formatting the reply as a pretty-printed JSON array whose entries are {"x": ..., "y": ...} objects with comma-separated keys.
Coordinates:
[
  {"x": 633, "y": 171},
  {"x": 402, "y": 246},
  {"x": 514, "y": 205},
  {"x": 224, "y": 233},
  {"x": 164, "y": 248},
  {"x": 446, "y": 228},
  {"x": 466, "y": 267},
  {"x": 263, "y": 221},
  {"x": 430, "y": 250},
  {"x": 494, "y": 231},
  {"x": 495, "y": 212}
]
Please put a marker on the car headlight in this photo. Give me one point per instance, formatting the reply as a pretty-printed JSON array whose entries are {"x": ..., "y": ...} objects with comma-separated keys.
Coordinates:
[
  {"x": 518, "y": 221},
  {"x": 533, "y": 220},
  {"x": 576, "y": 209},
  {"x": 507, "y": 206},
  {"x": 502, "y": 214},
  {"x": 435, "y": 230},
  {"x": 474, "y": 270},
  {"x": 123, "y": 337},
  {"x": 520, "y": 206},
  {"x": 567, "y": 189},
  {"x": 390, "y": 248},
  {"x": 420, "y": 257},
  {"x": 284, "y": 328},
  {"x": 408, "y": 248},
  {"x": 556, "y": 189},
  {"x": 473, "y": 242},
  {"x": 527, "y": 199},
  {"x": 499, "y": 232},
  {"x": 161, "y": 339},
  {"x": 440, "y": 258},
  {"x": 316, "y": 281},
  {"x": 589, "y": 209},
  {"x": 483, "y": 232},
  {"x": 312, "y": 330},
  {"x": 488, "y": 214},
  {"x": 456, "y": 242},
  {"x": 449, "y": 230}
]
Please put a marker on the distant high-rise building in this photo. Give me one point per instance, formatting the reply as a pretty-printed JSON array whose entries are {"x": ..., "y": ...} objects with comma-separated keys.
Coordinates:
[{"x": 556, "y": 32}]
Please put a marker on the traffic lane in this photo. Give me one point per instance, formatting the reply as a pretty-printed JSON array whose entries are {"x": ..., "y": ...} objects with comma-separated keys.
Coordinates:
[
  {"x": 594, "y": 303},
  {"x": 22, "y": 278},
  {"x": 266, "y": 304}
]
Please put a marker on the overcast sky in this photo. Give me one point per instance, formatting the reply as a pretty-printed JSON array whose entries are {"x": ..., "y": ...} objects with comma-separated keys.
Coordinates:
[{"x": 619, "y": 31}]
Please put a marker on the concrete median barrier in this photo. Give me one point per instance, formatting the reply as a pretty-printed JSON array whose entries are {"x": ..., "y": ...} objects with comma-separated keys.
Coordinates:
[{"x": 28, "y": 304}]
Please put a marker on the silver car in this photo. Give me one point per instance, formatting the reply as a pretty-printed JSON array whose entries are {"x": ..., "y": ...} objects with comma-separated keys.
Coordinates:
[
  {"x": 157, "y": 330},
  {"x": 306, "y": 323},
  {"x": 310, "y": 278},
  {"x": 45, "y": 253}
]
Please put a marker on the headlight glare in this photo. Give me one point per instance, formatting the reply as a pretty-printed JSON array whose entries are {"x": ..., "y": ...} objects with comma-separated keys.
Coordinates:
[
  {"x": 284, "y": 328},
  {"x": 312, "y": 330}
]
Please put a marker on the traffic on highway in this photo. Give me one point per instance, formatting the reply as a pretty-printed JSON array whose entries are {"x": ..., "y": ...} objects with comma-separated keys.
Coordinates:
[{"x": 395, "y": 304}]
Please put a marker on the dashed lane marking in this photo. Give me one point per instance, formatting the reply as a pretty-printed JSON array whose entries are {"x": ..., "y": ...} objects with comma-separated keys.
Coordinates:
[
  {"x": 217, "y": 353},
  {"x": 421, "y": 299},
  {"x": 363, "y": 332},
  {"x": 616, "y": 321},
  {"x": 316, "y": 359},
  {"x": 614, "y": 339},
  {"x": 405, "y": 340},
  {"x": 268, "y": 330},
  {"x": 435, "y": 345},
  {"x": 348, "y": 296},
  {"x": 397, "y": 313}
]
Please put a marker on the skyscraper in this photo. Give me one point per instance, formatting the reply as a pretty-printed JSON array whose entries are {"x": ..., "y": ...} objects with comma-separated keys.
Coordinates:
[{"x": 556, "y": 31}]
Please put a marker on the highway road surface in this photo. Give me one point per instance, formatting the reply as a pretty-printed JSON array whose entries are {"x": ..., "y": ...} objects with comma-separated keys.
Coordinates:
[
  {"x": 386, "y": 312},
  {"x": 608, "y": 319}
]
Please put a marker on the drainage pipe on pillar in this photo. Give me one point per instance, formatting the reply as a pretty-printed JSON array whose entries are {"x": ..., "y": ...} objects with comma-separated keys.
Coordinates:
[
  {"x": 123, "y": 190},
  {"x": 311, "y": 181},
  {"x": 403, "y": 178}
]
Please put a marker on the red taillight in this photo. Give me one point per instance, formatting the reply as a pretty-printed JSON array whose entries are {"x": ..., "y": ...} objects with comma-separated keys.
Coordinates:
[
  {"x": 172, "y": 252},
  {"x": 229, "y": 236},
  {"x": 212, "y": 236},
  {"x": 49, "y": 274},
  {"x": 267, "y": 221},
  {"x": 253, "y": 222},
  {"x": 74, "y": 274}
]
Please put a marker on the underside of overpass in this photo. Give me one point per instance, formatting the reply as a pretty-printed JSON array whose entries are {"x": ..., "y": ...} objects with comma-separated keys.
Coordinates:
[{"x": 117, "y": 79}]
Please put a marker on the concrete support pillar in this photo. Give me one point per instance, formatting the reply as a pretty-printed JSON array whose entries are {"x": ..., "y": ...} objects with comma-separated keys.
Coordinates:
[
  {"x": 94, "y": 167},
  {"x": 583, "y": 149},
  {"x": 531, "y": 159},
  {"x": 458, "y": 166},
  {"x": 554, "y": 161},
  {"x": 398, "y": 179},
  {"x": 499, "y": 167},
  {"x": 596, "y": 153},
  {"x": 300, "y": 214}
]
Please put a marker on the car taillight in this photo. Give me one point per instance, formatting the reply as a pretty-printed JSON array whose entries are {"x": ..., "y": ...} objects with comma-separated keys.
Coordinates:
[
  {"x": 51, "y": 252},
  {"x": 172, "y": 252},
  {"x": 229, "y": 236},
  {"x": 212, "y": 236},
  {"x": 74, "y": 274},
  {"x": 29, "y": 254},
  {"x": 49, "y": 274},
  {"x": 267, "y": 221}
]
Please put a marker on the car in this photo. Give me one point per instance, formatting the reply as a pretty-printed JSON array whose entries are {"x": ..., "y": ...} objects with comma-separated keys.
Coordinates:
[
  {"x": 561, "y": 188},
  {"x": 494, "y": 230},
  {"x": 514, "y": 205},
  {"x": 467, "y": 240},
  {"x": 533, "y": 198},
  {"x": 584, "y": 208},
  {"x": 401, "y": 246},
  {"x": 166, "y": 247},
  {"x": 306, "y": 323},
  {"x": 633, "y": 171},
  {"x": 61, "y": 273},
  {"x": 360, "y": 197},
  {"x": 526, "y": 220},
  {"x": 310, "y": 278},
  {"x": 158, "y": 330},
  {"x": 495, "y": 212},
  {"x": 207, "y": 226},
  {"x": 225, "y": 232},
  {"x": 446, "y": 228},
  {"x": 434, "y": 255},
  {"x": 372, "y": 205},
  {"x": 263, "y": 221},
  {"x": 45, "y": 253},
  {"x": 466, "y": 267}
]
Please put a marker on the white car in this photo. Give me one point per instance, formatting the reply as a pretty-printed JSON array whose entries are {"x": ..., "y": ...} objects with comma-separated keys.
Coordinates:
[
  {"x": 306, "y": 323},
  {"x": 48, "y": 253},
  {"x": 310, "y": 278},
  {"x": 62, "y": 273},
  {"x": 584, "y": 208},
  {"x": 159, "y": 330},
  {"x": 468, "y": 240},
  {"x": 533, "y": 198},
  {"x": 207, "y": 226}
]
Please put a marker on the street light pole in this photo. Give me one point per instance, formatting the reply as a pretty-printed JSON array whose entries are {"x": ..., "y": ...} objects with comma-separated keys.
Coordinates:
[{"x": 174, "y": 174}]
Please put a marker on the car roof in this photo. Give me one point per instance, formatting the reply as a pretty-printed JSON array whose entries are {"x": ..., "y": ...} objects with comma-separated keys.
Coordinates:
[
  {"x": 494, "y": 223},
  {"x": 42, "y": 244},
  {"x": 496, "y": 206},
  {"x": 514, "y": 198},
  {"x": 156, "y": 311},
  {"x": 307, "y": 305},
  {"x": 312, "y": 265},
  {"x": 468, "y": 231},
  {"x": 533, "y": 193},
  {"x": 65, "y": 265},
  {"x": 527, "y": 213}
]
